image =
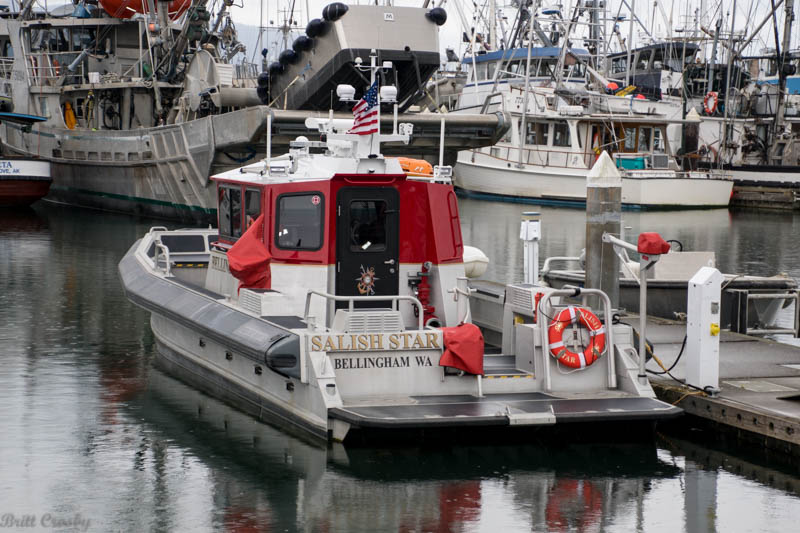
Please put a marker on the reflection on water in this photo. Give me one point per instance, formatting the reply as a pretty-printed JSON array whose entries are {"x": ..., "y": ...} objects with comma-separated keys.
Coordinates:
[
  {"x": 90, "y": 428},
  {"x": 745, "y": 242}
]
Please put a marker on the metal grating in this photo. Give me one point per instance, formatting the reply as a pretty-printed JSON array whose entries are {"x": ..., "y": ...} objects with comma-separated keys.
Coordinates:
[
  {"x": 374, "y": 321},
  {"x": 250, "y": 301},
  {"x": 521, "y": 298},
  {"x": 659, "y": 160}
]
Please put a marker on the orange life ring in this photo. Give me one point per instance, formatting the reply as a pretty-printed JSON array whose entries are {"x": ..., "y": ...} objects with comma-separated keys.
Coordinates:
[
  {"x": 597, "y": 332},
  {"x": 713, "y": 96}
]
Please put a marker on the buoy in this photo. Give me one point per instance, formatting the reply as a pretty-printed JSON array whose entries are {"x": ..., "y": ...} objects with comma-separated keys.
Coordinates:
[
  {"x": 316, "y": 28},
  {"x": 303, "y": 44},
  {"x": 263, "y": 79},
  {"x": 334, "y": 11},
  {"x": 275, "y": 69},
  {"x": 437, "y": 15},
  {"x": 288, "y": 57}
]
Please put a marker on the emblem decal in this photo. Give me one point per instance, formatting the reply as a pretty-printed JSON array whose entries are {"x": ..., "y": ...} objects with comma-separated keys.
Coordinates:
[{"x": 366, "y": 282}]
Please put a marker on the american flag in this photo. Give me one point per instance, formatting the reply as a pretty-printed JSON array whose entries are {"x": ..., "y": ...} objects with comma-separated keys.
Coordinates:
[{"x": 366, "y": 113}]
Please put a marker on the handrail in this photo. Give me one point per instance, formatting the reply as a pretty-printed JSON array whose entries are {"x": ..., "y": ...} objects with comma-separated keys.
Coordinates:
[
  {"x": 543, "y": 325},
  {"x": 160, "y": 247},
  {"x": 352, "y": 299},
  {"x": 546, "y": 265}
]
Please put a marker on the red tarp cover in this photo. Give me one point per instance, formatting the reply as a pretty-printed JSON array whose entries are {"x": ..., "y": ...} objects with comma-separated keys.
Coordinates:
[
  {"x": 463, "y": 348},
  {"x": 248, "y": 259},
  {"x": 652, "y": 243}
]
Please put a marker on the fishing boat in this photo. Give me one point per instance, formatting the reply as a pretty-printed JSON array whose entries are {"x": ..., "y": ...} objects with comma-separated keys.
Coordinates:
[
  {"x": 145, "y": 100},
  {"x": 22, "y": 180},
  {"x": 556, "y": 137},
  {"x": 333, "y": 295}
]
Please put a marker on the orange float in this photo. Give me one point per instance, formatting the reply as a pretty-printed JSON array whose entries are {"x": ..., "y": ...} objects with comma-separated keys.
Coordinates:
[
  {"x": 416, "y": 167},
  {"x": 125, "y": 9}
]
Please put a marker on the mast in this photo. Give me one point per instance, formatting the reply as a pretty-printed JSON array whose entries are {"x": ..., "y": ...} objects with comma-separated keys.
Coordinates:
[{"x": 783, "y": 62}]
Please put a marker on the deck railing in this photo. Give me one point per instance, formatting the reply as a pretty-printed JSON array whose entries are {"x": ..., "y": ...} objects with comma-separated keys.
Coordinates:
[
  {"x": 352, "y": 299},
  {"x": 46, "y": 68}
]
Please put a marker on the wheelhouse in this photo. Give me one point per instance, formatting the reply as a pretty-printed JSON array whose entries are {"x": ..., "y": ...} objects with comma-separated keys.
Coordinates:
[
  {"x": 370, "y": 235},
  {"x": 512, "y": 63}
]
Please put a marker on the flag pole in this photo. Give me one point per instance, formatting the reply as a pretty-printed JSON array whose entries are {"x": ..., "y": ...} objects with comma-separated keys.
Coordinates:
[{"x": 373, "y": 58}]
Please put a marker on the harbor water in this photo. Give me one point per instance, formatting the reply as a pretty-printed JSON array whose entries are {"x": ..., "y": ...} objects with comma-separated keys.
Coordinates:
[{"x": 96, "y": 438}]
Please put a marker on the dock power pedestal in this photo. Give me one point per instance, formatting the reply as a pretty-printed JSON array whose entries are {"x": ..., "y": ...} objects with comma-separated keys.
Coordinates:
[{"x": 702, "y": 329}]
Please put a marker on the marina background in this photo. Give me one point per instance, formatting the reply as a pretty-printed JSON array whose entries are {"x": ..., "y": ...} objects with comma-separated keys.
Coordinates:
[{"x": 91, "y": 428}]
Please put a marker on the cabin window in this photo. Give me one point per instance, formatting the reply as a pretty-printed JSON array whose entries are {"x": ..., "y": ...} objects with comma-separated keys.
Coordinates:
[
  {"x": 629, "y": 136},
  {"x": 658, "y": 141},
  {"x": 644, "y": 139},
  {"x": 619, "y": 65},
  {"x": 537, "y": 133},
  {"x": 643, "y": 61},
  {"x": 230, "y": 211},
  {"x": 299, "y": 221},
  {"x": 252, "y": 206},
  {"x": 561, "y": 134},
  {"x": 368, "y": 225}
]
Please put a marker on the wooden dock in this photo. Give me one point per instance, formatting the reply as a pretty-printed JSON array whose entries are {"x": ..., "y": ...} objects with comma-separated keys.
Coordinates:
[{"x": 759, "y": 398}]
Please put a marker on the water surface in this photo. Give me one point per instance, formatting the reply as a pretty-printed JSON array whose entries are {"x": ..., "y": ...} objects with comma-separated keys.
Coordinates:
[{"x": 91, "y": 431}]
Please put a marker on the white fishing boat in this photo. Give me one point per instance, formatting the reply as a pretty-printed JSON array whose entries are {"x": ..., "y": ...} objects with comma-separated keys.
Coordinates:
[
  {"x": 555, "y": 137},
  {"x": 334, "y": 296}
]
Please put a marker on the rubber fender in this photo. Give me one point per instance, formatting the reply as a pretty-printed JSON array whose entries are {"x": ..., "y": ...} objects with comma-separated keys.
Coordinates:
[
  {"x": 437, "y": 15},
  {"x": 288, "y": 57},
  {"x": 275, "y": 69},
  {"x": 263, "y": 79},
  {"x": 302, "y": 44},
  {"x": 263, "y": 95},
  {"x": 316, "y": 28},
  {"x": 334, "y": 11}
]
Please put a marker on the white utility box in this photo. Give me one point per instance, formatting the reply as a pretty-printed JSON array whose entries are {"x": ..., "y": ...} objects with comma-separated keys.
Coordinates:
[{"x": 702, "y": 329}]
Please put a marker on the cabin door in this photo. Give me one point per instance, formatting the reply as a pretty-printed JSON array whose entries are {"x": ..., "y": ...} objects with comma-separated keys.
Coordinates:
[{"x": 367, "y": 243}]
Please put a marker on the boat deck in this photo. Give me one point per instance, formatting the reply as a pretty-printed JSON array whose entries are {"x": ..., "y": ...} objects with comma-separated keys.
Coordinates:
[
  {"x": 523, "y": 409},
  {"x": 759, "y": 380}
]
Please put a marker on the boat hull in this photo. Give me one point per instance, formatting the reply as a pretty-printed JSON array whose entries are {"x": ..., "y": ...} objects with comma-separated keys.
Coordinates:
[
  {"x": 22, "y": 181},
  {"x": 161, "y": 172},
  {"x": 567, "y": 186}
]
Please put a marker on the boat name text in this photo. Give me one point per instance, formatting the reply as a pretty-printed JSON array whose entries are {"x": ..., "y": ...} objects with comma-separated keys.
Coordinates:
[{"x": 427, "y": 340}]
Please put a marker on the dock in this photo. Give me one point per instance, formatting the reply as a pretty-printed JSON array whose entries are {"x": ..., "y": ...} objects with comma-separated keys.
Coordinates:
[{"x": 759, "y": 379}]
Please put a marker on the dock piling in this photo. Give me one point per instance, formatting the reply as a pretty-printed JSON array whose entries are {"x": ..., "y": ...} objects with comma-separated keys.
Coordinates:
[{"x": 603, "y": 215}]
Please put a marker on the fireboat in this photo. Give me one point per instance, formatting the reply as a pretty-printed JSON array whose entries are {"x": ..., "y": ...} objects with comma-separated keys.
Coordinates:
[{"x": 334, "y": 297}]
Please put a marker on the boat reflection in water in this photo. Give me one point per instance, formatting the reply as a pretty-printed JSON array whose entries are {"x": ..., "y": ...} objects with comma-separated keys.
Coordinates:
[{"x": 263, "y": 475}]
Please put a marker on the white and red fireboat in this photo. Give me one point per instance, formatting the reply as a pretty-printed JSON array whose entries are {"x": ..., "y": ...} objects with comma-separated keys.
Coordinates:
[{"x": 333, "y": 297}]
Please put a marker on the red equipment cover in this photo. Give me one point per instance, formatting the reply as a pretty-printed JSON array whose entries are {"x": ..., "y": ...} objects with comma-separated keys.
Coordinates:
[
  {"x": 463, "y": 348},
  {"x": 652, "y": 243},
  {"x": 248, "y": 259}
]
